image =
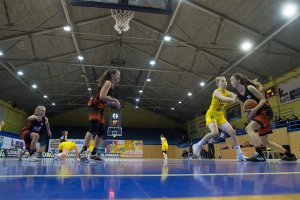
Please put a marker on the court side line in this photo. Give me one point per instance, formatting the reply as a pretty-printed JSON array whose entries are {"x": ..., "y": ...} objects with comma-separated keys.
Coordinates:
[
  {"x": 254, "y": 197},
  {"x": 146, "y": 175}
]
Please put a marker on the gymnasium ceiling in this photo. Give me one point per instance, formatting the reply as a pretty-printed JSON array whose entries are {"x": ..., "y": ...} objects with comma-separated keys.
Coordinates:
[{"x": 206, "y": 37}]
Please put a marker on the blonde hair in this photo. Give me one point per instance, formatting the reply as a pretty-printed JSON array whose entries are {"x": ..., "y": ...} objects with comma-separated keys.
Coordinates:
[
  {"x": 39, "y": 108},
  {"x": 217, "y": 79}
]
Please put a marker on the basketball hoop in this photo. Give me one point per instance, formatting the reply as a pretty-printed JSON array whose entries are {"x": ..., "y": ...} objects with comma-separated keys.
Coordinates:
[
  {"x": 114, "y": 133},
  {"x": 122, "y": 18}
]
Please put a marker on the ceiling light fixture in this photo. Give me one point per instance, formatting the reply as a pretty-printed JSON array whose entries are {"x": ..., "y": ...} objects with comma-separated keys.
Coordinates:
[
  {"x": 80, "y": 58},
  {"x": 246, "y": 46},
  {"x": 289, "y": 10},
  {"x": 67, "y": 28},
  {"x": 20, "y": 73},
  {"x": 167, "y": 38}
]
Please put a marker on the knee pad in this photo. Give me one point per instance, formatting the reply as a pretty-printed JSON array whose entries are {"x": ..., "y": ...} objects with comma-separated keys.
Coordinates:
[
  {"x": 101, "y": 130},
  {"x": 93, "y": 132},
  {"x": 94, "y": 126}
]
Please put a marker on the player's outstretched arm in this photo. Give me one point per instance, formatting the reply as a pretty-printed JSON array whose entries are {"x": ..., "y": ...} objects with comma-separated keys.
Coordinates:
[{"x": 223, "y": 98}]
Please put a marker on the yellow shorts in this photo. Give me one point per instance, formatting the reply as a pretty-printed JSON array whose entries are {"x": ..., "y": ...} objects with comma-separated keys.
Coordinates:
[
  {"x": 65, "y": 145},
  {"x": 215, "y": 118},
  {"x": 164, "y": 147}
]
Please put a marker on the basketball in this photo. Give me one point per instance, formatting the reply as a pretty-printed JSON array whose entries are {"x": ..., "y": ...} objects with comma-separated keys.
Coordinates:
[
  {"x": 114, "y": 105},
  {"x": 249, "y": 104}
]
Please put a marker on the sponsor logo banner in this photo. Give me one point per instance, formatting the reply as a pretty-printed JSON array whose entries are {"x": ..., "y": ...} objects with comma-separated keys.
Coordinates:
[
  {"x": 11, "y": 143},
  {"x": 124, "y": 148},
  {"x": 8, "y": 153},
  {"x": 110, "y": 155},
  {"x": 2, "y": 154},
  {"x": 289, "y": 91}
]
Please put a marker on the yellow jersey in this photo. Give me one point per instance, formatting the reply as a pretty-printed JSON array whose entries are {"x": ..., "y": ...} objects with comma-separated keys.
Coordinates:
[
  {"x": 217, "y": 105},
  {"x": 66, "y": 145},
  {"x": 163, "y": 141}
]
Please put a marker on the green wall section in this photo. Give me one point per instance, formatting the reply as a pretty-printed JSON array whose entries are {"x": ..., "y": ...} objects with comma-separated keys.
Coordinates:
[
  {"x": 132, "y": 118},
  {"x": 282, "y": 110},
  {"x": 14, "y": 118}
]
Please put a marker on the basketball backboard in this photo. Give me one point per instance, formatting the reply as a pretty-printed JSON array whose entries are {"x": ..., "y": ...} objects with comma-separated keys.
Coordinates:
[
  {"x": 152, "y": 6},
  {"x": 114, "y": 128}
]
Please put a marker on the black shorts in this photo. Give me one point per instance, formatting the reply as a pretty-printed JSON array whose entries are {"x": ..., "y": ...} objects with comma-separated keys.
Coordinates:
[
  {"x": 27, "y": 138},
  {"x": 97, "y": 128}
]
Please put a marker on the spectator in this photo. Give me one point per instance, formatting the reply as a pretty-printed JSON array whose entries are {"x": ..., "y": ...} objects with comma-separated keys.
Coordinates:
[
  {"x": 185, "y": 154},
  {"x": 203, "y": 153},
  {"x": 191, "y": 153},
  {"x": 184, "y": 138},
  {"x": 211, "y": 149},
  {"x": 294, "y": 117}
]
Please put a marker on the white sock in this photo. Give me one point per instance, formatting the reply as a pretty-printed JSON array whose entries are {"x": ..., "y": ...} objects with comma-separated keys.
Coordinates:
[
  {"x": 201, "y": 143},
  {"x": 238, "y": 150},
  {"x": 166, "y": 156}
]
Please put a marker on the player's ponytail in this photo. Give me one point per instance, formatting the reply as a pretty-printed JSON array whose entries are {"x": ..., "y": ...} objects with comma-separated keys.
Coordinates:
[{"x": 106, "y": 76}]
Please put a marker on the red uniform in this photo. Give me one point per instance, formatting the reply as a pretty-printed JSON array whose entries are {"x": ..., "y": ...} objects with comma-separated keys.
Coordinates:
[{"x": 263, "y": 116}]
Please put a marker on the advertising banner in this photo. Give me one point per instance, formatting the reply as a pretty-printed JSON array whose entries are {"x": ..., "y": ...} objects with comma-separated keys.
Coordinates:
[
  {"x": 11, "y": 143},
  {"x": 133, "y": 149},
  {"x": 108, "y": 149},
  {"x": 289, "y": 91}
]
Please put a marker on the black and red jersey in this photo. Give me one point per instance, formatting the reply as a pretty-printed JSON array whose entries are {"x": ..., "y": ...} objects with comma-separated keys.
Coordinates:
[
  {"x": 35, "y": 126},
  {"x": 96, "y": 102},
  {"x": 247, "y": 95}
]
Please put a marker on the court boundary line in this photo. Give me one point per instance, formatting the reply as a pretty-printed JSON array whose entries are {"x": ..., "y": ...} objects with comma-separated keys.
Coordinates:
[{"x": 146, "y": 175}]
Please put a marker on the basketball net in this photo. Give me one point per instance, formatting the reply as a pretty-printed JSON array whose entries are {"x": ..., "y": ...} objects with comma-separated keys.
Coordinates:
[
  {"x": 122, "y": 18},
  {"x": 114, "y": 133}
]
